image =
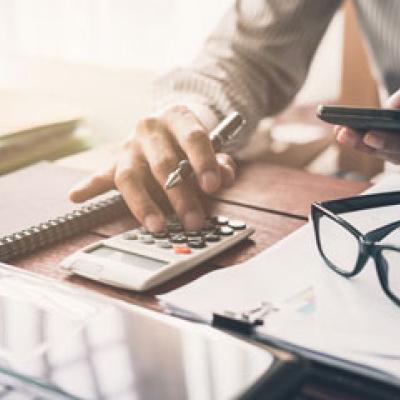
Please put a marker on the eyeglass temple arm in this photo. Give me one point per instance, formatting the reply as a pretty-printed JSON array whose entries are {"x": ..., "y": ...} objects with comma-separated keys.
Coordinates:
[
  {"x": 363, "y": 202},
  {"x": 378, "y": 234}
]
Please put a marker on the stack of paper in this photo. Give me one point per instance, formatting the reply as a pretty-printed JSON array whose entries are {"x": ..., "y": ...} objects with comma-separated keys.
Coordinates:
[
  {"x": 34, "y": 127},
  {"x": 317, "y": 309}
]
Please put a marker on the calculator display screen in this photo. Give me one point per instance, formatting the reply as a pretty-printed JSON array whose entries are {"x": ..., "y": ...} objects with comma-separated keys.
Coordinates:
[{"x": 126, "y": 257}]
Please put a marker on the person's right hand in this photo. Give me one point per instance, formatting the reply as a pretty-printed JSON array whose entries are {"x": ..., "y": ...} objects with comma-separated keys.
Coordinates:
[
  {"x": 147, "y": 158},
  {"x": 381, "y": 144}
]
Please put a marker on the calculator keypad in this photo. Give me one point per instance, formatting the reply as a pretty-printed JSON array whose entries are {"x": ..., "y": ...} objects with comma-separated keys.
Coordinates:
[
  {"x": 130, "y": 235},
  {"x": 161, "y": 235},
  {"x": 197, "y": 244},
  {"x": 138, "y": 259},
  {"x": 212, "y": 237},
  {"x": 182, "y": 242},
  {"x": 164, "y": 244},
  {"x": 147, "y": 239},
  {"x": 225, "y": 230},
  {"x": 182, "y": 250},
  {"x": 237, "y": 224},
  {"x": 178, "y": 238}
]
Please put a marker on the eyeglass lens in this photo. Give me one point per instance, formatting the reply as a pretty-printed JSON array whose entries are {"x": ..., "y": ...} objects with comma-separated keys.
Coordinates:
[{"x": 338, "y": 244}]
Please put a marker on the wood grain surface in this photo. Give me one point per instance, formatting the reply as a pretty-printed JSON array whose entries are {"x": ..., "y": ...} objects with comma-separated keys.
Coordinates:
[{"x": 286, "y": 190}]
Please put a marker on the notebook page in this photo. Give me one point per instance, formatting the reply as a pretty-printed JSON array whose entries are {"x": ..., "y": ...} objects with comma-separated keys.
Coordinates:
[{"x": 36, "y": 194}]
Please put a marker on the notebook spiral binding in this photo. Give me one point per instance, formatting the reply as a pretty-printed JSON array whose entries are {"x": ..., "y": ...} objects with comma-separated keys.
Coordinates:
[{"x": 54, "y": 230}]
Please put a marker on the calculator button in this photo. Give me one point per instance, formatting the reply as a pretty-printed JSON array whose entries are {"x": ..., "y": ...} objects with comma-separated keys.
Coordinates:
[
  {"x": 225, "y": 231},
  {"x": 237, "y": 224},
  {"x": 178, "y": 238},
  {"x": 160, "y": 235},
  {"x": 212, "y": 237},
  {"x": 193, "y": 233},
  {"x": 164, "y": 244},
  {"x": 174, "y": 227},
  {"x": 147, "y": 239},
  {"x": 220, "y": 220},
  {"x": 194, "y": 238},
  {"x": 196, "y": 244},
  {"x": 182, "y": 250},
  {"x": 142, "y": 231},
  {"x": 130, "y": 235},
  {"x": 212, "y": 231}
]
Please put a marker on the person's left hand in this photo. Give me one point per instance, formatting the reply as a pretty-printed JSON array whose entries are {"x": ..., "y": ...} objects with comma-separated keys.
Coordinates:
[{"x": 382, "y": 144}]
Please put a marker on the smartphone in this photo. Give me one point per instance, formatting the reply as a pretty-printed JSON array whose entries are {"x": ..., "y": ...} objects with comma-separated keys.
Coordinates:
[{"x": 361, "y": 119}]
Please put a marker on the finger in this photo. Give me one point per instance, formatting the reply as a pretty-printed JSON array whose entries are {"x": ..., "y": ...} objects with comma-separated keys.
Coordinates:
[
  {"x": 394, "y": 100},
  {"x": 337, "y": 128},
  {"x": 351, "y": 138},
  {"x": 130, "y": 177},
  {"x": 227, "y": 168},
  {"x": 161, "y": 154},
  {"x": 92, "y": 186},
  {"x": 383, "y": 141},
  {"x": 193, "y": 138}
]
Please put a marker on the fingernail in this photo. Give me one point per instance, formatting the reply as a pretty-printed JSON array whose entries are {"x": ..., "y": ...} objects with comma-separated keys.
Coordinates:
[
  {"x": 210, "y": 181},
  {"x": 193, "y": 220},
  {"x": 73, "y": 195},
  {"x": 340, "y": 136},
  {"x": 374, "y": 141},
  {"x": 154, "y": 223},
  {"x": 345, "y": 136}
]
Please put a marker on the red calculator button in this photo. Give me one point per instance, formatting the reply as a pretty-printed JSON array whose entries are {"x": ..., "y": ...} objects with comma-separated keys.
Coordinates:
[{"x": 182, "y": 250}]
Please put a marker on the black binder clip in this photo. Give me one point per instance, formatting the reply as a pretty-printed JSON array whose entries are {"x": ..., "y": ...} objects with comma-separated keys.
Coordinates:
[{"x": 243, "y": 322}]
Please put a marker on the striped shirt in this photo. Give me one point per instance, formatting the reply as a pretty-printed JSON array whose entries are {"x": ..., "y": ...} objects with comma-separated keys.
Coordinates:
[{"x": 258, "y": 58}]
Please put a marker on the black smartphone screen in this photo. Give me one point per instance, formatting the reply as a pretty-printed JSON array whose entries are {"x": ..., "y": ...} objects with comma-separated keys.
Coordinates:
[{"x": 361, "y": 119}]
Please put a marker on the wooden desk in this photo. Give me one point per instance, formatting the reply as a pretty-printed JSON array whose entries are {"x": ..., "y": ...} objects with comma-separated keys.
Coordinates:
[
  {"x": 284, "y": 190},
  {"x": 276, "y": 205}
]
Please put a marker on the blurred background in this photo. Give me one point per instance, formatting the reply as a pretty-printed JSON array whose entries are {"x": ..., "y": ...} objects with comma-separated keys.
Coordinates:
[{"x": 94, "y": 61}]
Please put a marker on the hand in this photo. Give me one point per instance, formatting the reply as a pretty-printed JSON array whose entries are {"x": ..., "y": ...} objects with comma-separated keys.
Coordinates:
[
  {"x": 385, "y": 145},
  {"x": 146, "y": 159}
]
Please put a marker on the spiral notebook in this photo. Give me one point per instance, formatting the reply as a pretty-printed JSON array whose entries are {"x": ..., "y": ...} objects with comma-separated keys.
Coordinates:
[{"x": 35, "y": 210}]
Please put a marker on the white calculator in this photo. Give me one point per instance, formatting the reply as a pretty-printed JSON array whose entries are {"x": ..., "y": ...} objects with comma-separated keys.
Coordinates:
[{"x": 140, "y": 260}]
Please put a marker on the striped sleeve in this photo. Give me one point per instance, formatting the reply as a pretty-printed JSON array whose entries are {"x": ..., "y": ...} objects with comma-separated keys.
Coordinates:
[{"x": 255, "y": 61}]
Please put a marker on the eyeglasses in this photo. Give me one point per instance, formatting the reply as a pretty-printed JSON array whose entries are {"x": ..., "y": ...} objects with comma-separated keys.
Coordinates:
[{"x": 346, "y": 250}]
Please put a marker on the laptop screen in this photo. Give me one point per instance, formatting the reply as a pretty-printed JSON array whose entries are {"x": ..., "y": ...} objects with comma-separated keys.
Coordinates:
[{"x": 93, "y": 349}]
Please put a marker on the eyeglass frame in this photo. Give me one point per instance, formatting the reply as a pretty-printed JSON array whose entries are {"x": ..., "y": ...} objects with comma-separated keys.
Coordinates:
[{"x": 367, "y": 243}]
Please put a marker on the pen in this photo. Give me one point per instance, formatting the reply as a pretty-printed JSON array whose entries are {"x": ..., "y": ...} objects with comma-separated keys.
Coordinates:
[{"x": 225, "y": 131}]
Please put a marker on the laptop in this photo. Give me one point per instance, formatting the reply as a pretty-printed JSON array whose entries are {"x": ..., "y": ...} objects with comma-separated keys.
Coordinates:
[{"x": 61, "y": 342}]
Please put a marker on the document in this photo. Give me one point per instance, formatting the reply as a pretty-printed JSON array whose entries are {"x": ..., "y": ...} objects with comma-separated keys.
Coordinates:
[
  {"x": 269, "y": 276},
  {"x": 315, "y": 308}
]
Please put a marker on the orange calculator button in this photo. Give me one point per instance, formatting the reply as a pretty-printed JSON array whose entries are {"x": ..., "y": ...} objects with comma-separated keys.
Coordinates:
[{"x": 182, "y": 250}]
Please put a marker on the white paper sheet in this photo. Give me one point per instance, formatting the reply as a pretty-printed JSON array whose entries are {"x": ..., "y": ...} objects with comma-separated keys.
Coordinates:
[
  {"x": 269, "y": 276},
  {"x": 351, "y": 318}
]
